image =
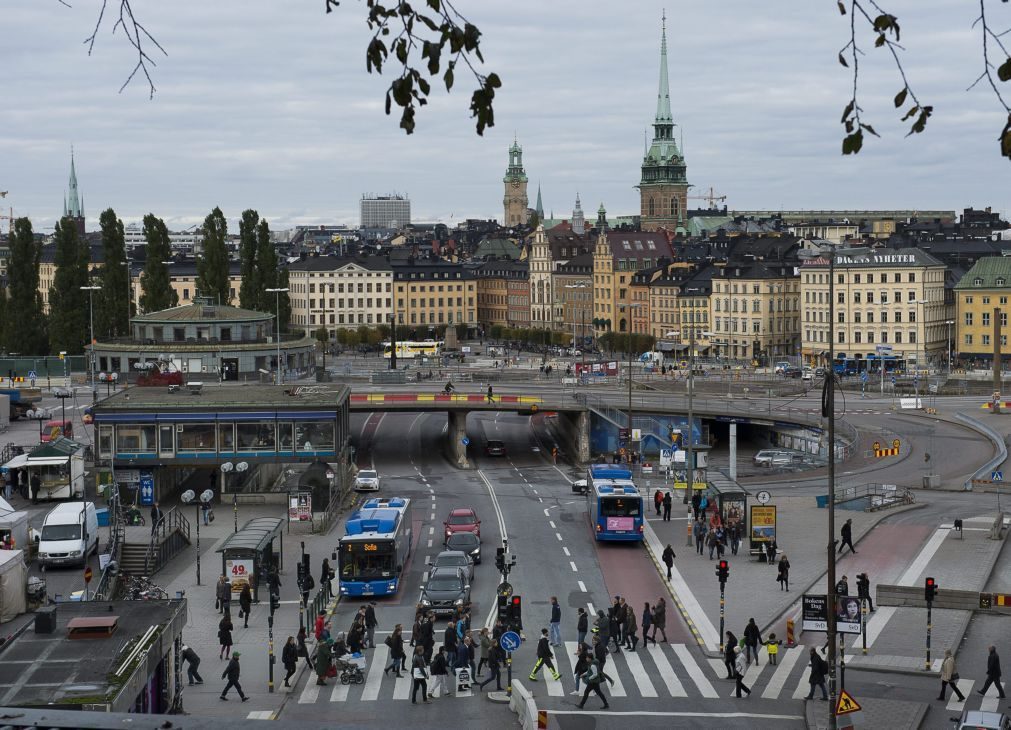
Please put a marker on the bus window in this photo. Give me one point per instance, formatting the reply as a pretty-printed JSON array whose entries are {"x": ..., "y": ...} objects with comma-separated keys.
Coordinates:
[{"x": 618, "y": 507}]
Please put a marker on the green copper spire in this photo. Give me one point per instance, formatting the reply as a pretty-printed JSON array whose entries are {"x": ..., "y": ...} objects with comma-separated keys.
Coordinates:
[
  {"x": 540, "y": 206},
  {"x": 663, "y": 113},
  {"x": 72, "y": 204}
]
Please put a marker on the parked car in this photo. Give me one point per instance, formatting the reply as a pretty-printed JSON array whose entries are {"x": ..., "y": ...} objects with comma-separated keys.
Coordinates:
[
  {"x": 793, "y": 372},
  {"x": 466, "y": 542},
  {"x": 367, "y": 480},
  {"x": 781, "y": 367},
  {"x": 461, "y": 519},
  {"x": 773, "y": 457},
  {"x": 455, "y": 559},
  {"x": 819, "y": 372},
  {"x": 580, "y": 486},
  {"x": 447, "y": 591},
  {"x": 977, "y": 720},
  {"x": 495, "y": 447}
]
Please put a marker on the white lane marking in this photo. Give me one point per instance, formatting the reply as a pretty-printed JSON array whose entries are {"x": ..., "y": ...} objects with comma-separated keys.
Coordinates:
[
  {"x": 593, "y": 611},
  {"x": 582, "y": 586},
  {"x": 555, "y": 688},
  {"x": 433, "y": 497},
  {"x": 503, "y": 535},
  {"x": 340, "y": 692},
  {"x": 430, "y": 542},
  {"x": 611, "y": 670},
  {"x": 310, "y": 692},
  {"x": 545, "y": 511},
  {"x": 991, "y": 700},
  {"x": 428, "y": 560},
  {"x": 666, "y": 672},
  {"x": 370, "y": 692},
  {"x": 552, "y": 524},
  {"x": 695, "y": 671},
  {"x": 803, "y": 686},
  {"x": 402, "y": 689},
  {"x": 260, "y": 715},
  {"x": 431, "y": 530},
  {"x": 782, "y": 673},
  {"x": 572, "y": 564},
  {"x": 874, "y": 626},
  {"x": 559, "y": 536},
  {"x": 965, "y": 686},
  {"x": 719, "y": 668},
  {"x": 541, "y": 500},
  {"x": 659, "y": 713},
  {"x": 753, "y": 671},
  {"x": 566, "y": 551},
  {"x": 535, "y": 491},
  {"x": 638, "y": 671},
  {"x": 570, "y": 651}
]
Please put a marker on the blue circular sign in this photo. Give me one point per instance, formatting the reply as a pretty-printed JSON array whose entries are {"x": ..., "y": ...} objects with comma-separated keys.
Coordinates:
[
  {"x": 466, "y": 441},
  {"x": 509, "y": 641}
]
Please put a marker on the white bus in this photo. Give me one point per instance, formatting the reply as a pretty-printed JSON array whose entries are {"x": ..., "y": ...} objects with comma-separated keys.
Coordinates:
[{"x": 410, "y": 348}]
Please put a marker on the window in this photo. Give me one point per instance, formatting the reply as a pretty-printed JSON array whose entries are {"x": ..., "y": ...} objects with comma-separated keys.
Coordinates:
[
  {"x": 884, "y": 316},
  {"x": 841, "y": 298},
  {"x": 870, "y": 317},
  {"x": 968, "y": 319},
  {"x": 898, "y": 338},
  {"x": 856, "y": 297},
  {"x": 131, "y": 439},
  {"x": 968, "y": 339},
  {"x": 856, "y": 278},
  {"x": 898, "y": 316},
  {"x": 986, "y": 300},
  {"x": 1003, "y": 319},
  {"x": 870, "y": 278},
  {"x": 912, "y": 277},
  {"x": 842, "y": 317},
  {"x": 870, "y": 297},
  {"x": 857, "y": 317},
  {"x": 870, "y": 338},
  {"x": 968, "y": 300},
  {"x": 912, "y": 337},
  {"x": 977, "y": 281},
  {"x": 1001, "y": 281},
  {"x": 842, "y": 278},
  {"x": 1003, "y": 300},
  {"x": 986, "y": 340},
  {"x": 856, "y": 337},
  {"x": 898, "y": 277},
  {"x": 911, "y": 296},
  {"x": 196, "y": 437},
  {"x": 986, "y": 320},
  {"x": 842, "y": 337}
]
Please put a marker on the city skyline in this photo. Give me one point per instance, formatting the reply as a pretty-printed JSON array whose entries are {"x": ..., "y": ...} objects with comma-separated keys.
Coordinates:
[{"x": 295, "y": 127}]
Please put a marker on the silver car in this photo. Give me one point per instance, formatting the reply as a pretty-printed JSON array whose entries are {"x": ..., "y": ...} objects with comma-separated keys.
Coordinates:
[
  {"x": 455, "y": 559},
  {"x": 773, "y": 457},
  {"x": 367, "y": 480}
]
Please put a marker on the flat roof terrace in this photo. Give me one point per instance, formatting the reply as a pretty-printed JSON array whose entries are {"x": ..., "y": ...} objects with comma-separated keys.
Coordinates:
[{"x": 224, "y": 398}]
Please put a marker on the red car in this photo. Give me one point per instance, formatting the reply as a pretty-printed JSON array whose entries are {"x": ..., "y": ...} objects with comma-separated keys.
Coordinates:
[{"x": 461, "y": 519}]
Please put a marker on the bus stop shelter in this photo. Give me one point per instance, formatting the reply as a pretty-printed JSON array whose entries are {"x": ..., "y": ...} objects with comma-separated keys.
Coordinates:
[
  {"x": 250, "y": 553},
  {"x": 728, "y": 499}
]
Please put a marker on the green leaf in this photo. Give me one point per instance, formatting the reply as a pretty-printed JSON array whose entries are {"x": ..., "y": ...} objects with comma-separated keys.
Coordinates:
[
  {"x": 1005, "y": 139},
  {"x": 870, "y": 129},
  {"x": 1004, "y": 72},
  {"x": 448, "y": 77},
  {"x": 848, "y": 110},
  {"x": 911, "y": 112},
  {"x": 880, "y": 41},
  {"x": 842, "y": 8},
  {"x": 853, "y": 142},
  {"x": 402, "y": 51},
  {"x": 493, "y": 81},
  {"x": 434, "y": 5},
  {"x": 843, "y": 60},
  {"x": 900, "y": 98}
]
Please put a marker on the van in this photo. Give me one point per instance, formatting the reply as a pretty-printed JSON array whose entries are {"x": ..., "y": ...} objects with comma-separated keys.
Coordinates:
[
  {"x": 54, "y": 429},
  {"x": 63, "y": 542}
]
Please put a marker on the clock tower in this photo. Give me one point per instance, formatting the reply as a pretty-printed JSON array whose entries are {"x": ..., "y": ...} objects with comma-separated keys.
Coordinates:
[{"x": 515, "y": 201}]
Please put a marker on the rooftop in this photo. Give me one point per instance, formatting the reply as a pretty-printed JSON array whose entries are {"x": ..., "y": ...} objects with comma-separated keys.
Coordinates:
[
  {"x": 225, "y": 397},
  {"x": 989, "y": 270},
  {"x": 203, "y": 313}
]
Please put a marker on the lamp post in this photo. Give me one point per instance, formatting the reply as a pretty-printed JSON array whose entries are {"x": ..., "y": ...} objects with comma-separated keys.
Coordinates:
[
  {"x": 189, "y": 497},
  {"x": 629, "y": 308},
  {"x": 62, "y": 394},
  {"x": 91, "y": 361},
  {"x": 393, "y": 341},
  {"x": 277, "y": 318},
  {"x": 948, "y": 323},
  {"x": 921, "y": 321}
]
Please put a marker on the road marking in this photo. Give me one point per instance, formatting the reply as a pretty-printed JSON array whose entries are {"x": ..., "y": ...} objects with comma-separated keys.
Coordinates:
[
  {"x": 545, "y": 512},
  {"x": 803, "y": 686},
  {"x": 402, "y": 689},
  {"x": 555, "y": 688},
  {"x": 782, "y": 673},
  {"x": 667, "y": 674},
  {"x": 638, "y": 671},
  {"x": 535, "y": 491},
  {"x": 990, "y": 701},
  {"x": 310, "y": 692},
  {"x": 559, "y": 536},
  {"x": 695, "y": 671},
  {"x": 340, "y": 691},
  {"x": 503, "y": 535},
  {"x": 431, "y": 530},
  {"x": 965, "y": 687},
  {"x": 593, "y": 611},
  {"x": 582, "y": 586},
  {"x": 566, "y": 551},
  {"x": 429, "y": 542},
  {"x": 658, "y": 713},
  {"x": 541, "y": 500},
  {"x": 570, "y": 652},
  {"x": 573, "y": 565},
  {"x": 370, "y": 692},
  {"x": 432, "y": 516},
  {"x": 260, "y": 715},
  {"x": 433, "y": 497},
  {"x": 552, "y": 524}
]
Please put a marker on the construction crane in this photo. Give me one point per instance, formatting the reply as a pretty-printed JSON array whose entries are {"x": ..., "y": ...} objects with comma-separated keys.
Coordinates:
[{"x": 712, "y": 198}]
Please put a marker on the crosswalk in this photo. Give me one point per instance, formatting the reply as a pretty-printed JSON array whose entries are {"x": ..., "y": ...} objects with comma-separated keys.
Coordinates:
[{"x": 657, "y": 672}]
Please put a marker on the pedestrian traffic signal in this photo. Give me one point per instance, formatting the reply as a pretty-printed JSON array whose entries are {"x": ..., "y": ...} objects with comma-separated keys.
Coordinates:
[
  {"x": 516, "y": 611},
  {"x": 723, "y": 571},
  {"x": 500, "y": 559},
  {"x": 929, "y": 589},
  {"x": 503, "y": 608},
  {"x": 275, "y": 602}
]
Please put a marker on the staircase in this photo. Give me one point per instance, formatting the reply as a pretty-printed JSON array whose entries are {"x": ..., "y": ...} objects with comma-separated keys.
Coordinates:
[
  {"x": 146, "y": 553},
  {"x": 131, "y": 558}
]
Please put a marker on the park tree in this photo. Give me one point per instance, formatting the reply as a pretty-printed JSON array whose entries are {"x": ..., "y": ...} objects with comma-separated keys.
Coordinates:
[
  {"x": 69, "y": 310},
  {"x": 266, "y": 263},
  {"x": 250, "y": 286},
  {"x": 212, "y": 265},
  {"x": 25, "y": 331},
  {"x": 113, "y": 308},
  {"x": 284, "y": 307},
  {"x": 155, "y": 283}
]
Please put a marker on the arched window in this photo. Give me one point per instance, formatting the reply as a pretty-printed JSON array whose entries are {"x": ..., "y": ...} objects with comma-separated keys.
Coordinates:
[
  {"x": 621, "y": 325},
  {"x": 651, "y": 210},
  {"x": 674, "y": 207}
]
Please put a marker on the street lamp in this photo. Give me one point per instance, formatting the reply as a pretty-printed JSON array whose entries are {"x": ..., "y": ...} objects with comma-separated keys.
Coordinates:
[
  {"x": 226, "y": 469},
  {"x": 41, "y": 415},
  {"x": 91, "y": 308},
  {"x": 277, "y": 318},
  {"x": 948, "y": 323},
  {"x": 63, "y": 394},
  {"x": 393, "y": 341},
  {"x": 630, "y": 307},
  {"x": 188, "y": 497}
]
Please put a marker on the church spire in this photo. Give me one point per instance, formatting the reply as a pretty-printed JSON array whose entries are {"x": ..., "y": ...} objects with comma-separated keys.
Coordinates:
[
  {"x": 663, "y": 113},
  {"x": 73, "y": 202},
  {"x": 578, "y": 220},
  {"x": 540, "y": 206}
]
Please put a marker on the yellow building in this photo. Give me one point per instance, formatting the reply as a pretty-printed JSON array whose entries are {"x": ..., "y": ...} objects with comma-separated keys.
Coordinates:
[
  {"x": 183, "y": 279},
  {"x": 617, "y": 257},
  {"x": 495, "y": 284},
  {"x": 755, "y": 310},
  {"x": 428, "y": 294},
  {"x": 981, "y": 305}
]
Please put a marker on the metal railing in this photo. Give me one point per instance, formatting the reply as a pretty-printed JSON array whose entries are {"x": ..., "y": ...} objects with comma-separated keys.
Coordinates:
[{"x": 159, "y": 549}]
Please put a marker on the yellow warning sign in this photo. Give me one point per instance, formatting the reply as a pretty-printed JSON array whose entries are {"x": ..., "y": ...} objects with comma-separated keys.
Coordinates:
[{"x": 846, "y": 704}]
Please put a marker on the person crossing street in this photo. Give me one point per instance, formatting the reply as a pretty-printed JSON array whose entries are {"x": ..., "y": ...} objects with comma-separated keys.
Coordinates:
[
  {"x": 847, "y": 537},
  {"x": 232, "y": 674},
  {"x": 544, "y": 657},
  {"x": 668, "y": 559},
  {"x": 593, "y": 678},
  {"x": 555, "y": 625}
]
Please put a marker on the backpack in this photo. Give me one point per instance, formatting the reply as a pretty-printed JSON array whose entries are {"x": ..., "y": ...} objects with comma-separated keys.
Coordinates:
[{"x": 592, "y": 674}]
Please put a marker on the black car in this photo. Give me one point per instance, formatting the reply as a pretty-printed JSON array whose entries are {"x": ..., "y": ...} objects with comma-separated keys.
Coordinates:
[
  {"x": 467, "y": 543},
  {"x": 495, "y": 448},
  {"x": 446, "y": 592}
]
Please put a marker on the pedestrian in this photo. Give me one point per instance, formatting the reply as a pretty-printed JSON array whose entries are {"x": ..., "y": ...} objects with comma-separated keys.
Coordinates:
[
  {"x": 630, "y": 629},
  {"x": 721, "y": 542},
  {"x": 949, "y": 676},
  {"x": 36, "y": 483},
  {"x": 370, "y": 624},
  {"x": 729, "y": 656},
  {"x": 223, "y": 594},
  {"x": 699, "y": 532},
  {"x": 495, "y": 659},
  {"x": 660, "y": 618},
  {"x": 593, "y": 677},
  {"x": 156, "y": 517},
  {"x": 439, "y": 671},
  {"x": 658, "y": 501},
  {"x": 305, "y": 586},
  {"x": 647, "y": 621},
  {"x": 864, "y": 590},
  {"x": 772, "y": 644},
  {"x": 419, "y": 675},
  {"x": 303, "y": 650},
  {"x": 325, "y": 576},
  {"x": 484, "y": 640},
  {"x": 8, "y": 483},
  {"x": 847, "y": 537},
  {"x": 462, "y": 660},
  {"x": 819, "y": 668},
  {"x": 245, "y": 604},
  {"x": 324, "y": 660},
  {"x": 842, "y": 588},
  {"x": 582, "y": 624},
  {"x": 449, "y": 639},
  {"x": 696, "y": 502},
  {"x": 491, "y": 395},
  {"x": 205, "y": 512},
  {"x": 396, "y": 643},
  {"x": 192, "y": 671},
  {"x": 739, "y": 668},
  {"x": 544, "y": 657},
  {"x": 602, "y": 627},
  {"x": 225, "y": 635},
  {"x": 783, "y": 573},
  {"x": 583, "y": 659},
  {"x": 735, "y": 537},
  {"x": 992, "y": 673},
  {"x": 752, "y": 639},
  {"x": 555, "y": 626},
  {"x": 428, "y": 636},
  {"x": 232, "y": 674},
  {"x": 600, "y": 655},
  {"x": 770, "y": 550},
  {"x": 711, "y": 541},
  {"x": 289, "y": 658},
  {"x": 667, "y": 502},
  {"x": 614, "y": 624},
  {"x": 668, "y": 559}
]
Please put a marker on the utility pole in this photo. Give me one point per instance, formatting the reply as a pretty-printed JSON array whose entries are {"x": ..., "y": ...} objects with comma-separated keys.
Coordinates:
[{"x": 996, "y": 359}]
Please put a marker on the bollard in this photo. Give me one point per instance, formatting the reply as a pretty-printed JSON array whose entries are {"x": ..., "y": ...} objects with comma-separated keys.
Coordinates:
[
  {"x": 790, "y": 639},
  {"x": 542, "y": 719}
]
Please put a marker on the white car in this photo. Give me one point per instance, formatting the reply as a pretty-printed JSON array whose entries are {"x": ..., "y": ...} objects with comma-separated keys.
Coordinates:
[
  {"x": 773, "y": 457},
  {"x": 367, "y": 480}
]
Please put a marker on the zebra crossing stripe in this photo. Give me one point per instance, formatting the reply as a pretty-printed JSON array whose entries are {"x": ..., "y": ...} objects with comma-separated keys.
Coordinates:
[
  {"x": 695, "y": 671},
  {"x": 555, "y": 688},
  {"x": 965, "y": 687},
  {"x": 803, "y": 686},
  {"x": 372, "y": 682},
  {"x": 753, "y": 671},
  {"x": 402, "y": 687},
  {"x": 667, "y": 674},
  {"x": 782, "y": 673},
  {"x": 991, "y": 701},
  {"x": 611, "y": 670},
  {"x": 638, "y": 671},
  {"x": 311, "y": 690},
  {"x": 340, "y": 692},
  {"x": 570, "y": 651}
]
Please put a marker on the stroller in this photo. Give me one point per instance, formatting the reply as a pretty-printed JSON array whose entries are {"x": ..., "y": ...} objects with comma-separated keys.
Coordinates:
[{"x": 351, "y": 668}]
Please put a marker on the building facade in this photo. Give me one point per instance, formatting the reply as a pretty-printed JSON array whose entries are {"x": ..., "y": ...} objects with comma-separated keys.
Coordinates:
[
  {"x": 618, "y": 256},
  {"x": 496, "y": 284},
  {"x": 428, "y": 294},
  {"x": 335, "y": 292},
  {"x": 981, "y": 310},
  {"x": 514, "y": 201},
  {"x": 573, "y": 285},
  {"x": 541, "y": 266},
  {"x": 384, "y": 211},
  {"x": 183, "y": 280},
  {"x": 755, "y": 308}
]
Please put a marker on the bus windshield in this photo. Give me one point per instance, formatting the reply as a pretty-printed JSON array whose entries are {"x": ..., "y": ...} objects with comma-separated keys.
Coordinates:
[
  {"x": 619, "y": 507},
  {"x": 366, "y": 567}
]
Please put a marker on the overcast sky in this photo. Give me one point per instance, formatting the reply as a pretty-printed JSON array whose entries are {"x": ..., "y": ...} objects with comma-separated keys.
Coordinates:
[{"x": 272, "y": 109}]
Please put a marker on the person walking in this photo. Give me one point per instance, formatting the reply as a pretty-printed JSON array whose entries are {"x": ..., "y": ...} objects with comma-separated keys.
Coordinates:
[
  {"x": 495, "y": 657},
  {"x": 225, "y": 635},
  {"x": 842, "y": 588},
  {"x": 289, "y": 658},
  {"x": 449, "y": 639},
  {"x": 602, "y": 627},
  {"x": 36, "y": 484},
  {"x": 668, "y": 559},
  {"x": 324, "y": 658},
  {"x": 658, "y": 501},
  {"x": 325, "y": 576},
  {"x": 484, "y": 639},
  {"x": 396, "y": 643},
  {"x": 245, "y": 604},
  {"x": 419, "y": 676},
  {"x": 231, "y": 673},
  {"x": 772, "y": 644},
  {"x": 192, "y": 671},
  {"x": 864, "y": 590},
  {"x": 712, "y": 538},
  {"x": 739, "y": 669},
  {"x": 819, "y": 669},
  {"x": 696, "y": 503},
  {"x": 631, "y": 627},
  {"x": 593, "y": 678},
  {"x": 544, "y": 657},
  {"x": 647, "y": 621},
  {"x": 699, "y": 530},
  {"x": 992, "y": 673},
  {"x": 667, "y": 502},
  {"x": 847, "y": 537},
  {"x": 660, "y": 618},
  {"x": 156, "y": 517},
  {"x": 783, "y": 573},
  {"x": 770, "y": 550},
  {"x": 439, "y": 672},
  {"x": 600, "y": 655},
  {"x": 223, "y": 594},
  {"x": 371, "y": 622},
  {"x": 303, "y": 650},
  {"x": 729, "y": 656},
  {"x": 583, "y": 659},
  {"x": 614, "y": 625},
  {"x": 555, "y": 626},
  {"x": 949, "y": 676},
  {"x": 735, "y": 538},
  {"x": 752, "y": 640},
  {"x": 582, "y": 624}
]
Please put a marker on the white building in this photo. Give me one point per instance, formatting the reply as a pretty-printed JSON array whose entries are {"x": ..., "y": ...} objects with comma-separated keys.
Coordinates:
[
  {"x": 385, "y": 211},
  {"x": 185, "y": 243},
  {"x": 340, "y": 292}
]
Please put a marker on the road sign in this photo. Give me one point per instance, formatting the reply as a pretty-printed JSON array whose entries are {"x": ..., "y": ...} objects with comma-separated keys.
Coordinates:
[
  {"x": 883, "y": 349},
  {"x": 763, "y": 497},
  {"x": 876, "y": 446},
  {"x": 32, "y": 375},
  {"x": 87, "y": 574},
  {"x": 896, "y": 443},
  {"x": 465, "y": 441},
  {"x": 997, "y": 476},
  {"x": 846, "y": 704},
  {"x": 509, "y": 641},
  {"x": 637, "y": 434},
  {"x": 863, "y": 376}
]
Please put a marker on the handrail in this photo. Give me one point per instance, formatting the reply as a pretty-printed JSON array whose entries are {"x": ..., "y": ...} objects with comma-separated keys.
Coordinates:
[
  {"x": 173, "y": 521},
  {"x": 997, "y": 441}
]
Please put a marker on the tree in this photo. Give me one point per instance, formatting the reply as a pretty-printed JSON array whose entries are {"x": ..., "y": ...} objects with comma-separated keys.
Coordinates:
[
  {"x": 26, "y": 325},
  {"x": 250, "y": 287},
  {"x": 266, "y": 262},
  {"x": 284, "y": 313},
  {"x": 69, "y": 306},
  {"x": 212, "y": 266},
  {"x": 114, "y": 306},
  {"x": 155, "y": 284}
]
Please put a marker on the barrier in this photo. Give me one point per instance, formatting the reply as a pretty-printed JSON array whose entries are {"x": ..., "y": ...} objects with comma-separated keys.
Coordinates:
[
  {"x": 790, "y": 634},
  {"x": 522, "y": 703},
  {"x": 542, "y": 720}
]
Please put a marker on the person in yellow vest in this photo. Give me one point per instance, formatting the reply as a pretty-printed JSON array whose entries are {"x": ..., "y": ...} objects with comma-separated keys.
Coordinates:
[{"x": 772, "y": 644}]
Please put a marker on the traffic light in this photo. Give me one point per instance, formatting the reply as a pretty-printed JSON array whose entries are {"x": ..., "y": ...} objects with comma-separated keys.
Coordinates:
[
  {"x": 516, "y": 611},
  {"x": 503, "y": 608},
  {"x": 723, "y": 571},
  {"x": 929, "y": 589},
  {"x": 275, "y": 602},
  {"x": 300, "y": 573},
  {"x": 500, "y": 559}
]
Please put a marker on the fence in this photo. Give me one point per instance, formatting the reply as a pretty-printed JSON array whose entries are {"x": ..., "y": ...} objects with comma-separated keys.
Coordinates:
[{"x": 164, "y": 543}]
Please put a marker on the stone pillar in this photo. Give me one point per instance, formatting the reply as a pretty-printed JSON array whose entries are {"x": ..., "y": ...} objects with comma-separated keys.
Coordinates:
[
  {"x": 457, "y": 431},
  {"x": 733, "y": 451},
  {"x": 582, "y": 437}
]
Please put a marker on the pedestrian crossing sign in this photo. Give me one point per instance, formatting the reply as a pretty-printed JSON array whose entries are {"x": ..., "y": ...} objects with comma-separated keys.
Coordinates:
[{"x": 846, "y": 704}]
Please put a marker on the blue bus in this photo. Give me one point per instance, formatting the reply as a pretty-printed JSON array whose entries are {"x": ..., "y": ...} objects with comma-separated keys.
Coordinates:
[
  {"x": 614, "y": 503},
  {"x": 375, "y": 547}
]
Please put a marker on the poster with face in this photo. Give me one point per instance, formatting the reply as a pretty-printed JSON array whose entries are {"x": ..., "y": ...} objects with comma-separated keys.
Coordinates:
[{"x": 848, "y": 615}]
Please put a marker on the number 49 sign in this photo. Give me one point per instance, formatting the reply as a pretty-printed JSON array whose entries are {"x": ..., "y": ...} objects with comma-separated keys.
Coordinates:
[{"x": 239, "y": 572}]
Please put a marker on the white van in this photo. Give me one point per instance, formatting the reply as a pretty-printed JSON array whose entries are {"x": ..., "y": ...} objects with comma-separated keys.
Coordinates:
[{"x": 62, "y": 541}]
